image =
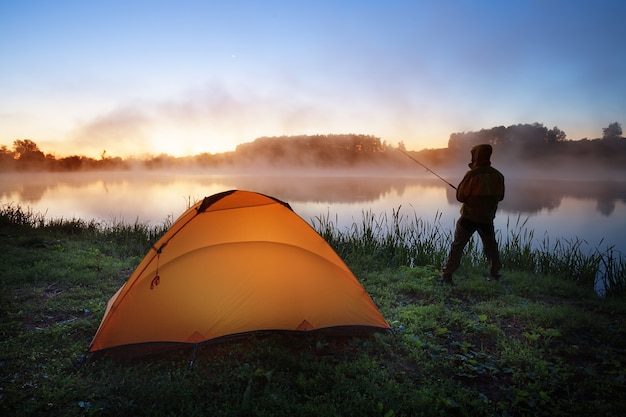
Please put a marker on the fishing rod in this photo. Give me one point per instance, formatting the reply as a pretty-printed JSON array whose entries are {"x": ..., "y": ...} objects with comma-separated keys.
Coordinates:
[{"x": 427, "y": 169}]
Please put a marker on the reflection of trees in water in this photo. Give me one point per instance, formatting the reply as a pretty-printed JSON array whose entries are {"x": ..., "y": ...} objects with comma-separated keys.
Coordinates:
[
  {"x": 325, "y": 189},
  {"x": 606, "y": 203},
  {"x": 606, "y": 207},
  {"x": 290, "y": 188},
  {"x": 524, "y": 196},
  {"x": 26, "y": 191},
  {"x": 533, "y": 196},
  {"x": 605, "y": 193}
]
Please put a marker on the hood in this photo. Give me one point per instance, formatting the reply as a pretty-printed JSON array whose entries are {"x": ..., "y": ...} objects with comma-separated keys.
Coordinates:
[{"x": 481, "y": 155}]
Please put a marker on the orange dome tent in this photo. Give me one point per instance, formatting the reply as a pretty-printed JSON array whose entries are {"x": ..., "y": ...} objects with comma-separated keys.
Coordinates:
[{"x": 236, "y": 262}]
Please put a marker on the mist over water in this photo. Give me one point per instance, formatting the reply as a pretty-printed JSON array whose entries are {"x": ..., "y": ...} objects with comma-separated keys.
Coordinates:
[{"x": 589, "y": 210}]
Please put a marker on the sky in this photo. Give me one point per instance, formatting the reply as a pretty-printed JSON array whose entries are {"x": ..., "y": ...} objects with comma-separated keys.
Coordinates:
[{"x": 183, "y": 77}]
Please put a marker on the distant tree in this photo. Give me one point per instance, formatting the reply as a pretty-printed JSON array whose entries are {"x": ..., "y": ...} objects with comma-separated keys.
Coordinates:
[
  {"x": 613, "y": 131},
  {"x": 25, "y": 147},
  {"x": 498, "y": 135},
  {"x": 7, "y": 159},
  {"x": 527, "y": 135},
  {"x": 555, "y": 135},
  {"x": 28, "y": 155},
  {"x": 70, "y": 163}
]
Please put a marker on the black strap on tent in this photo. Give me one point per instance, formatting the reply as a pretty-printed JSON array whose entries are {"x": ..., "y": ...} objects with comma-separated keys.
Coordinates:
[
  {"x": 209, "y": 201},
  {"x": 278, "y": 201}
]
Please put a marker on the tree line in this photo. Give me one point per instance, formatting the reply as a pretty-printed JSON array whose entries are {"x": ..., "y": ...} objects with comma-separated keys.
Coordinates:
[
  {"x": 529, "y": 137},
  {"x": 340, "y": 150},
  {"x": 521, "y": 144},
  {"x": 534, "y": 145}
]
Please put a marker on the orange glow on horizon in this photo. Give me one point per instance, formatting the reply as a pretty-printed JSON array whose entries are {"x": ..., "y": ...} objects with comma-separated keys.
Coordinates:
[{"x": 154, "y": 147}]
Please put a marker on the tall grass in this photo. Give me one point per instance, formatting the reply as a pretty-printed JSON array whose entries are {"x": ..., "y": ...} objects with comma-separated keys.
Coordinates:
[
  {"x": 378, "y": 239},
  {"x": 571, "y": 259},
  {"x": 396, "y": 240},
  {"x": 118, "y": 237},
  {"x": 15, "y": 215},
  {"x": 381, "y": 240}
]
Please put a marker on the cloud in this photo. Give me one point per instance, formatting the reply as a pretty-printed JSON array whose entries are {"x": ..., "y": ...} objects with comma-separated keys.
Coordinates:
[
  {"x": 216, "y": 116},
  {"x": 123, "y": 129},
  {"x": 211, "y": 116}
]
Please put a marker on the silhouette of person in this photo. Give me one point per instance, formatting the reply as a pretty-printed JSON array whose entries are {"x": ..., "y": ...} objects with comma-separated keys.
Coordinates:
[{"x": 480, "y": 191}]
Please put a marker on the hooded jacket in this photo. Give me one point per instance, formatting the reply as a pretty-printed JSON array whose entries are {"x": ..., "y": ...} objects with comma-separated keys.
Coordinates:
[{"x": 482, "y": 187}]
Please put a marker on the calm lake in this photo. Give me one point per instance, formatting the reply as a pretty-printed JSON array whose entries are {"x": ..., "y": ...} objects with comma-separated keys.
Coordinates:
[{"x": 584, "y": 210}]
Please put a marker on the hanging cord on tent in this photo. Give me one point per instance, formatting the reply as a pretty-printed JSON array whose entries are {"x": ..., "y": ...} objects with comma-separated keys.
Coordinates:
[
  {"x": 427, "y": 169},
  {"x": 157, "y": 279}
]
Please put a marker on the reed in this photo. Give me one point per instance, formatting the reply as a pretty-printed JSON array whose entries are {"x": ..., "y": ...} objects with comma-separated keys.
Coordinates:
[
  {"x": 383, "y": 240},
  {"x": 611, "y": 272},
  {"x": 389, "y": 241},
  {"x": 15, "y": 215},
  {"x": 119, "y": 237}
]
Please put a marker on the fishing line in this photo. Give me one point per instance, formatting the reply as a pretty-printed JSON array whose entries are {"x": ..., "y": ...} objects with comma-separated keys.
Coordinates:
[{"x": 427, "y": 169}]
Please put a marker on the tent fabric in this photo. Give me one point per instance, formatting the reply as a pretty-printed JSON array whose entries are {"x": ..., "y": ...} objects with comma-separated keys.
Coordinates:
[{"x": 235, "y": 262}]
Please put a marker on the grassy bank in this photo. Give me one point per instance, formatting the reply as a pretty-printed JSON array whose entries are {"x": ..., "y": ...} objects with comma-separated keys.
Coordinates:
[{"x": 539, "y": 342}]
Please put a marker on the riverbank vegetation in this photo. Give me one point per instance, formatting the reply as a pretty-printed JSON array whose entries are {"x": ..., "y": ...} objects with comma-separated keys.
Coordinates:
[
  {"x": 538, "y": 342},
  {"x": 522, "y": 148}
]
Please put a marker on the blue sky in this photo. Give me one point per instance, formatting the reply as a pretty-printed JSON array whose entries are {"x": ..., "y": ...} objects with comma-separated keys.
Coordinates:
[{"x": 182, "y": 77}]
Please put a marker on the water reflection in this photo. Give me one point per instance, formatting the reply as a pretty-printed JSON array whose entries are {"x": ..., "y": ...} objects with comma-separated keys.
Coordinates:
[
  {"x": 533, "y": 196},
  {"x": 522, "y": 196}
]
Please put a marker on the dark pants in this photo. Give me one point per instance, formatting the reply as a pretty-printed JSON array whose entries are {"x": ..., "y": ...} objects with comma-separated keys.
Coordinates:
[{"x": 465, "y": 228}]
